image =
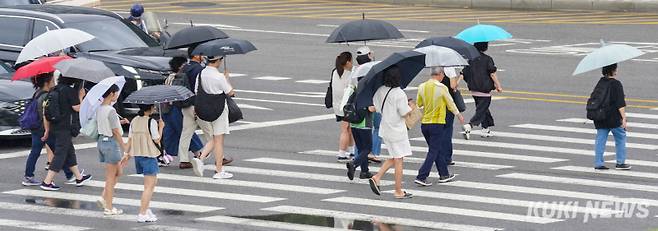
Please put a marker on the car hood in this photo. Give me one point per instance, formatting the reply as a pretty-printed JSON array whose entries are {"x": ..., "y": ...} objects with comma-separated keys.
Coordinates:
[
  {"x": 141, "y": 60},
  {"x": 11, "y": 91}
]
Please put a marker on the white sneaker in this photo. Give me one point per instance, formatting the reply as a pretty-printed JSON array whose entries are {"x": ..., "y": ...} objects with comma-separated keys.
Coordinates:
[
  {"x": 112, "y": 212},
  {"x": 486, "y": 132},
  {"x": 144, "y": 218},
  {"x": 197, "y": 166},
  {"x": 467, "y": 131},
  {"x": 152, "y": 215},
  {"x": 222, "y": 175}
]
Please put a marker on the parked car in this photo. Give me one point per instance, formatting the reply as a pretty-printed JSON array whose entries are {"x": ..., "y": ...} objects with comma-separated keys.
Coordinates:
[
  {"x": 122, "y": 46},
  {"x": 14, "y": 96},
  {"x": 19, "y": 2}
]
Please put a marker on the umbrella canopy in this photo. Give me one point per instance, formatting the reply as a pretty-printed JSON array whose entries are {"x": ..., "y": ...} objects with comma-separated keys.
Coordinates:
[
  {"x": 42, "y": 65},
  {"x": 94, "y": 97},
  {"x": 224, "y": 47},
  {"x": 606, "y": 55},
  {"x": 52, "y": 41},
  {"x": 410, "y": 64},
  {"x": 194, "y": 35},
  {"x": 483, "y": 33},
  {"x": 467, "y": 50},
  {"x": 363, "y": 69},
  {"x": 159, "y": 94},
  {"x": 84, "y": 69},
  {"x": 364, "y": 30},
  {"x": 436, "y": 56}
]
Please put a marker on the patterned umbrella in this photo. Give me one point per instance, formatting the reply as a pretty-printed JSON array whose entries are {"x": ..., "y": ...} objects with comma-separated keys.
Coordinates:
[{"x": 159, "y": 94}]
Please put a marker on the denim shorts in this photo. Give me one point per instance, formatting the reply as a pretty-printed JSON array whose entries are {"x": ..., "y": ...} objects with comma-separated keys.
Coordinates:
[
  {"x": 146, "y": 165},
  {"x": 109, "y": 151}
]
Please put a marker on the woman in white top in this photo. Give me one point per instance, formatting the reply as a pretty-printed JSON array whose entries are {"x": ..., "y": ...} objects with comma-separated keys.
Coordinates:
[
  {"x": 340, "y": 79},
  {"x": 391, "y": 101},
  {"x": 214, "y": 82}
]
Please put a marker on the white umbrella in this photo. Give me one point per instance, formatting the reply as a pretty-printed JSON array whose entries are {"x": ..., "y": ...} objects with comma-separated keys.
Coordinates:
[
  {"x": 94, "y": 97},
  {"x": 606, "y": 55},
  {"x": 52, "y": 41},
  {"x": 437, "y": 56}
]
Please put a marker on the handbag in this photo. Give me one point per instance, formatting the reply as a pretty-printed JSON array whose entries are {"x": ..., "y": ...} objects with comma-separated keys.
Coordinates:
[
  {"x": 412, "y": 119},
  {"x": 234, "y": 112},
  {"x": 328, "y": 98},
  {"x": 90, "y": 129},
  {"x": 208, "y": 107}
]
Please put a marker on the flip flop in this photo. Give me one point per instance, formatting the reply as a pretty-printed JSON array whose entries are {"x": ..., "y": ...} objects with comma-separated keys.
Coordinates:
[
  {"x": 374, "y": 187},
  {"x": 374, "y": 160},
  {"x": 405, "y": 196}
]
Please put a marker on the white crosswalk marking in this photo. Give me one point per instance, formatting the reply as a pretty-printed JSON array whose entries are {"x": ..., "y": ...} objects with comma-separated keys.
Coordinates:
[
  {"x": 271, "y": 78},
  {"x": 264, "y": 223},
  {"x": 581, "y": 181},
  {"x": 563, "y": 139},
  {"x": 608, "y": 172},
  {"x": 39, "y": 225},
  {"x": 443, "y": 210},
  {"x": 539, "y": 148},
  {"x": 581, "y": 130},
  {"x": 629, "y": 124},
  {"x": 313, "y": 81},
  {"x": 297, "y": 175},
  {"x": 63, "y": 211},
  {"x": 462, "y": 153},
  {"x": 642, "y": 115}
]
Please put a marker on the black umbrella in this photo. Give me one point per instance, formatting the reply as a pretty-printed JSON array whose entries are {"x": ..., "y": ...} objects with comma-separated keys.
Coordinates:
[
  {"x": 410, "y": 64},
  {"x": 159, "y": 94},
  {"x": 224, "y": 47},
  {"x": 364, "y": 30},
  {"x": 194, "y": 35},
  {"x": 465, "y": 49}
]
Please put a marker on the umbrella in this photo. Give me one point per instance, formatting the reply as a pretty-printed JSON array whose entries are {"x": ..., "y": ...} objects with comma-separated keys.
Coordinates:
[
  {"x": 483, "y": 33},
  {"x": 606, "y": 55},
  {"x": 224, "y": 47},
  {"x": 42, "y": 65},
  {"x": 159, "y": 94},
  {"x": 194, "y": 35},
  {"x": 410, "y": 64},
  {"x": 465, "y": 49},
  {"x": 363, "y": 69},
  {"x": 52, "y": 41},
  {"x": 84, "y": 69},
  {"x": 364, "y": 30},
  {"x": 94, "y": 97},
  {"x": 436, "y": 56}
]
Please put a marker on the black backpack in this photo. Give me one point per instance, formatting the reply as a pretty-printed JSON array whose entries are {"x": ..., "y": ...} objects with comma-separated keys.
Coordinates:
[
  {"x": 598, "y": 104},
  {"x": 352, "y": 113},
  {"x": 52, "y": 110}
]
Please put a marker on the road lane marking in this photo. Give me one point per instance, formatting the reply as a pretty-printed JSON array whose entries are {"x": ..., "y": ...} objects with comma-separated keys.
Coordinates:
[
  {"x": 517, "y": 135},
  {"x": 313, "y": 81},
  {"x": 272, "y": 78},
  {"x": 462, "y": 153},
  {"x": 283, "y": 122},
  {"x": 249, "y": 106},
  {"x": 294, "y": 174},
  {"x": 116, "y": 200},
  {"x": 629, "y": 124},
  {"x": 402, "y": 30},
  {"x": 580, "y": 182},
  {"x": 40, "y": 225},
  {"x": 279, "y": 101},
  {"x": 280, "y": 93},
  {"x": 608, "y": 172},
  {"x": 63, "y": 211},
  {"x": 166, "y": 228},
  {"x": 522, "y": 147},
  {"x": 443, "y": 210},
  {"x": 264, "y": 223},
  {"x": 580, "y": 130}
]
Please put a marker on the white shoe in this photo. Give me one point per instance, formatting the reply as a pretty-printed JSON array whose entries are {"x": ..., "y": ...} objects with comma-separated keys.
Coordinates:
[
  {"x": 112, "y": 212},
  {"x": 144, "y": 218},
  {"x": 486, "y": 132},
  {"x": 222, "y": 175},
  {"x": 467, "y": 131},
  {"x": 197, "y": 166},
  {"x": 101, "y": 203},
  {"x": 152, "y": 215}
]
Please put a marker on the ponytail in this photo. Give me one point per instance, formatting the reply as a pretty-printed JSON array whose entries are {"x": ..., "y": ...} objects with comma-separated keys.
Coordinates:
[{"x": 341, "y": 60}]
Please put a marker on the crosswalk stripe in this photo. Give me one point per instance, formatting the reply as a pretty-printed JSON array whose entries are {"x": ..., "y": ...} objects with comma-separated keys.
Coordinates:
[
  {"x": 629, "y": 124},
  {"x": 443, "y": 210},
  {"x": 580, "y": 130},
  {"x": 64, "y": 211},
  {"x": 116, "y": 200},
  {"x": 166, "y": 228},
  {"x": 638, "y": 162},
  {"x": 523, "y": 147},
  {"x": 642, "y": 115},
  {"x": 25, "y": 153},
  {"x": 251, "y": 184},
  {"x": 462, "y": 153},
  {"x": 191, "y": 192},
  {"x": 608, "y": 172},
  {"x": 264, "y": 223},
  {"x": 377, "y": 218},
  {"x": 580, "y": 181},
  {"x": 291, "y": 174},
  {"x": 39, "y": 225},
  {"x": 502, "y": 201},
  {"x": 563, "y": 139}
]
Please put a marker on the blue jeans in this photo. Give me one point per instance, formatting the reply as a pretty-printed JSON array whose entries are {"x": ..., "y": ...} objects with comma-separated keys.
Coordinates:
[
  {"x": 363, "y": 140},
  {"x": 37, "y": 146},
  {"x": 619, "y": 134},
  {"x": 438, "y": 150},
  {"x": 376, "y": 140},
  {"x": 450, "y": 119},
  {"x": 173, "y": 131}
]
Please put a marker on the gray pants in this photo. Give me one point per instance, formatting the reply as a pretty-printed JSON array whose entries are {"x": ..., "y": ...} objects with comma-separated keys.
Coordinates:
[{"x": 190, "y": 124}]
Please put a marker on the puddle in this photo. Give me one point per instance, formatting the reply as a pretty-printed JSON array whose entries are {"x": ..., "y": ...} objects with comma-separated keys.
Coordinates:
[
  {"x": 60, "y": 203},
  {"x": 334, "y": 222}
]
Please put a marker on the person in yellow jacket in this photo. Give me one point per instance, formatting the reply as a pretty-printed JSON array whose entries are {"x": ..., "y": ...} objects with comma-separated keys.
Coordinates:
[{"x": 436, "y": 101}]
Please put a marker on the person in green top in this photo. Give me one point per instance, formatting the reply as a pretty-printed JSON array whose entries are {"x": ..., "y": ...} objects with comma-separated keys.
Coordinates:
[{"x": 362, "y": 133}]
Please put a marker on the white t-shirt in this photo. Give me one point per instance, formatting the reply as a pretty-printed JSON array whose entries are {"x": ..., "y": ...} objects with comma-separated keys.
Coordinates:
[
  {"x": 338, "y": 85},
  {"x": 393, "y": 127},
  {"x": 213, "y": 81},
  {"x": 107, "y": 119},
  {"x": 155, "y": 133}
]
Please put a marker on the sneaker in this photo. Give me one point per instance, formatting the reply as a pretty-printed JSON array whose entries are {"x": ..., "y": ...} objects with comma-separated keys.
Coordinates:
[
  {"x": 49, "y": 187},
  {"x": 142, "y": 218},
  {"x": 467, "y": 131},
  {"x": 197, "y": 167},
  {"x": 30, "y": 181},
  {"x": 365, "y": 175},
  {"x": 81, "y": 182},
  {"x": 602, "y": 167},
  {"x": 451, "y": 163},
  {"x": 152, "y": 215},
  {"x": 422, "y": 182},
  {"x": 343, "y": 159},
  {"x": 623, "y": 167},
  {"x": 100, "y": 202},
  {"x": 351, "y": 168},
  {"x": 185, "y": 165},
  {"x": 112, "y": 212},
  {"x": 486, "y": 133},
  {"x": 71, "y": 180},
  {"x": 222, "y": 175},
  {"x": 446, "y": 179}
]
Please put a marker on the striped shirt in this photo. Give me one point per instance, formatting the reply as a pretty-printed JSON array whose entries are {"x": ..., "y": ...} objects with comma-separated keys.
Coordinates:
[{"x": 435, "y": 100}]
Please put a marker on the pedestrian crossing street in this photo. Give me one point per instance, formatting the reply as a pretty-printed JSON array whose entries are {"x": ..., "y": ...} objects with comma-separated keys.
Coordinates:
[
  {"x": 323, "y": 9},
  {"x": 272, "y": 184}
]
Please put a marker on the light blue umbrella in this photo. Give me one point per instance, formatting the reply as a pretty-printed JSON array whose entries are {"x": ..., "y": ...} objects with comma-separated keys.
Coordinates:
[
  {"x": 606, "y": 55},
  {"x": 483, "y": 33}
]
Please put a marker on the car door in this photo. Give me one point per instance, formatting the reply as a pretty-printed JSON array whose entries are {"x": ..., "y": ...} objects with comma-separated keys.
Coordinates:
[{"x": 16, "y": 33}]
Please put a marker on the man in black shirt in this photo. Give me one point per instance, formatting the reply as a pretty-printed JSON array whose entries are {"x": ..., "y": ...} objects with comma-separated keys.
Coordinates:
[{"x": 614, "y": 122}]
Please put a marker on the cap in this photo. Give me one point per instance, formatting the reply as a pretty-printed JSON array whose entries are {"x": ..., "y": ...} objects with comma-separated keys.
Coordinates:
[
  {"x": 213, "y": 58},
  {"x": 364, "y": 50}
]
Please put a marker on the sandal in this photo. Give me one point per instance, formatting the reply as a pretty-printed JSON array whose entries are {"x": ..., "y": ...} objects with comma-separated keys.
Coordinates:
[
  {"x": 374, "y": 187},
  {"x": 374, "y": 159},
  {"x": 405, "y": 196}
]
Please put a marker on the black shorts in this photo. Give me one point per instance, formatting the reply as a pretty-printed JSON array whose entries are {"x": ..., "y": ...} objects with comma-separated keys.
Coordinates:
[{"x": 340, "y": 118}]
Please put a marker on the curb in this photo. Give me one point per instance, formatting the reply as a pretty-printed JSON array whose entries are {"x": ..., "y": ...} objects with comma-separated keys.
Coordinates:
[
  {"x": 600, "y": 5},
  {"x": 87, "y": 3}
]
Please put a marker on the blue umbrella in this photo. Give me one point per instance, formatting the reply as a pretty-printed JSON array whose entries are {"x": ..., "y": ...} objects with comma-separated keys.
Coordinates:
[
  {"x": 606, "y": 55},
  {"x": 483, "y": 33}
]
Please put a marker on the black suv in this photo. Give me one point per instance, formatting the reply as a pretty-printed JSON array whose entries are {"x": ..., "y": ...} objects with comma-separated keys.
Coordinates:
[{"x": 122, "y": 46}]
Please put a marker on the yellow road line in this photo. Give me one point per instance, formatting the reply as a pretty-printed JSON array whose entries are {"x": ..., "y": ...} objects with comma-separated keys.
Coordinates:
[
  {"x": 298, "y": 13},
  {"x": 388, "y": 11},
  {"x": 145, "y": 4},
  {"x": 507, "y": 15},
  {"x": 570, "y": 101},
  {"x": 322, "y": 7},
  {"x": 264, "y": 8}
]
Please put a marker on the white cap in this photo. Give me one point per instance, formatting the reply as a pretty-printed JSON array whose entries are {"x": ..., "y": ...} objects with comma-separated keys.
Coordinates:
[
  {"x": 451, "y": 72},
  {"x": 364, "y": 50}
]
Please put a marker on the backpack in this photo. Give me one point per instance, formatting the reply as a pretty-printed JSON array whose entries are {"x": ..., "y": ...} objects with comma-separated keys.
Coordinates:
[
  {"x": 598, "y": 103},
  {"x": 52, "y": 110},
  {"x": 181, "y": 79},
  {"x": 30, "y": 119},
  {"x": 353, "y": 114}
]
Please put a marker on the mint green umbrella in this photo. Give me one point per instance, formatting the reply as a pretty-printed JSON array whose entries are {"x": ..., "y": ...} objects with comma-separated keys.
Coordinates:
[{"x": 608, "y": 54}]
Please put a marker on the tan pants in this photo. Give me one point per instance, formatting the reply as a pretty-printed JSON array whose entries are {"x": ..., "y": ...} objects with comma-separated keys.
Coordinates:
[{"x": 190, "y": 125}]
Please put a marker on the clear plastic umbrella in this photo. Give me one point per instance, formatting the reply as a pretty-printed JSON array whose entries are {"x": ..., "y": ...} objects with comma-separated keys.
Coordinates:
[
  {"x": 436, "y": 56},
  {"x": 51, "y": 42},
  {"x": 606, "y": 55},
  {"x": 94, "y": 97}
]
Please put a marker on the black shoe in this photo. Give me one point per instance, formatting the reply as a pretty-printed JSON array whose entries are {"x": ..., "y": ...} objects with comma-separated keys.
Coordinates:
[
  {"x": 49, "y": 187},
  {"x": 350, "y": 170},
  {"x": 602, "y": 167},
  {"x": 446, "y": 179},
  {"x": 365, "y": 175},
  {"x": 81, "y": 182},
  {"x": 623, "y": 167},
  {"x": 424, "y": 182},
  {"x": 451, "y": 163}
]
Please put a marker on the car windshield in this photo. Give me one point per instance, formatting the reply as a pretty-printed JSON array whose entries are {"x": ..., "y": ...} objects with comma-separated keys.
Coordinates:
[
  {"x": 112, "y": 34},
  {"x": 4, "y": 69}
]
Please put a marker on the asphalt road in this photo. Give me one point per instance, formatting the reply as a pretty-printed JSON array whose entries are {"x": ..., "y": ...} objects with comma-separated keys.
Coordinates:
[{"x": 541, "y": 152}]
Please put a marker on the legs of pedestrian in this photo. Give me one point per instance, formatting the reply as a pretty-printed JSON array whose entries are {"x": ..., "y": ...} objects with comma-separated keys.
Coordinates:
[
  {"x": 31, "y": 162},
  {"x": 450, "y": 119},
  {"x": 443, "y": 153},
  {"x": 376, "y": 140},
  {"x": 599, "y": 148},
  {"x": 188, "y": 129},
  {"x": 145, "y": 213},
  {"x": 112, "y": 173},
  {"x": 374, "y": 180},
  {"x": 399, "y": 169},
  {"x": 363, "y": 140},
  {"x": 432, "y": 135},
  {"x": 344, "y": 141},
  {"x": 620, "y": 148}
]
